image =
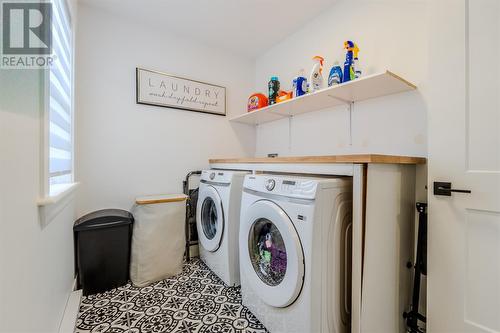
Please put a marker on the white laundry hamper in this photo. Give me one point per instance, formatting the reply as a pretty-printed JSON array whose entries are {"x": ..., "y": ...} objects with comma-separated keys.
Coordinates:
[{"x": 158, "y": 239}]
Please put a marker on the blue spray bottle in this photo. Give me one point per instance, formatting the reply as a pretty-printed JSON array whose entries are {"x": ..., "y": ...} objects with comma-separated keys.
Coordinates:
[{"x": 351, "y": 58}]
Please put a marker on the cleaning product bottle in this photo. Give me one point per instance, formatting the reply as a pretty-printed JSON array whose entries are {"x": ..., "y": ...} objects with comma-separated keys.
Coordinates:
[
  {"x": 316, "y": 79},
  {"x": 299, "y": 84},
  {"x": 274, "y": 88},
  {"x": 256, "y": 101},
  {"x": 335, "y": 76},
  {"x": 349, "y": 73},
  {"x": 357, "y": 69}
]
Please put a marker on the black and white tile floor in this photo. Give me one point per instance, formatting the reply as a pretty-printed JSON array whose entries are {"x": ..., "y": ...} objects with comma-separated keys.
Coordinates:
[{"x": 194, "y": 301}]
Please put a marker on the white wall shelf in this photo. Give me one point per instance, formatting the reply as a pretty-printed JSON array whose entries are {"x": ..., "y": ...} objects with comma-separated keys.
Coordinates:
[{"x": 370, "y": 86}]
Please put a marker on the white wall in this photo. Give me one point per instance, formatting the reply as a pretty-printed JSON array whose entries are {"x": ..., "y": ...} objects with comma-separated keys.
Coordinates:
[
  {"x": 126, "y": 150},
  {"x": 36, "y": 253},
  {"x": 36, "y": 259},
  {"x": 391, "y": 34}
]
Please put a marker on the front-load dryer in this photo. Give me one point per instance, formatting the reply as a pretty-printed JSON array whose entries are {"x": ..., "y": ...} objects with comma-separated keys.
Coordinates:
[
  {"x": 217, "y": 221},
  {"x": 295, "y": 252}
]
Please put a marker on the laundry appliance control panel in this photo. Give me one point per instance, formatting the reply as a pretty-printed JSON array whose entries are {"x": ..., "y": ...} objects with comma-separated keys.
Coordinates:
[
  {"x": 218, "y": 176},
  {"x": 282, "y": 185}
]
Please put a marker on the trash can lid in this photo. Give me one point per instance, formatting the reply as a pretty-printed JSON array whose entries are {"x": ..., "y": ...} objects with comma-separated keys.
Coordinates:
[
  {"x": 103, "y": 218},
  {"x": 161, "y": 198}
]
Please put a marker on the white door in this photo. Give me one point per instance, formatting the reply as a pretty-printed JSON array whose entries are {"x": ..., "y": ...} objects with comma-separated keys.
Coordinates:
[
  {"x": 464, "y": 149},
  {"x": 271, "y": 254}
]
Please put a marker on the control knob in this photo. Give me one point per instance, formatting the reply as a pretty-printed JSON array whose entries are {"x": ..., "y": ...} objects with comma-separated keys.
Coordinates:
[{"x": 270, "y": 183}]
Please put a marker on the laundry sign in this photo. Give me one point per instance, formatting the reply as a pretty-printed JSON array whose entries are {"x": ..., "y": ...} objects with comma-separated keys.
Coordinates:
[{"x": 160, "y": 89}]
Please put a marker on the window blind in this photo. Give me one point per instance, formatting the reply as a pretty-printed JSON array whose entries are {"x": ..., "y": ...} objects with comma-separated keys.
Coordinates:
[{"x": 60, "y": 100}]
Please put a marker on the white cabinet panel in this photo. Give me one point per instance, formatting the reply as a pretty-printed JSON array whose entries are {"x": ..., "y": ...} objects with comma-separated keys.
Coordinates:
[{"x": 483, "y": 86}]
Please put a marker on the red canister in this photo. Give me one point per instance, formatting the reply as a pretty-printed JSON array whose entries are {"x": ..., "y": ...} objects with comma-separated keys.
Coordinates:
[{"x": 257, "y": 101}]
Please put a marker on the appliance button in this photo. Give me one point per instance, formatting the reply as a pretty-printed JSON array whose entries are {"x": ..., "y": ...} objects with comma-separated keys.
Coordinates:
[
  {"x": 270, "y": 183},
  {"x": 212, "y": 175}
]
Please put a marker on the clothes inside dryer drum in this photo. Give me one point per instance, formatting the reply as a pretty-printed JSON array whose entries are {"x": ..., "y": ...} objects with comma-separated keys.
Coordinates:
[
  {"x": 268, "y": 252},
  {"x": 209, "y": 218}
]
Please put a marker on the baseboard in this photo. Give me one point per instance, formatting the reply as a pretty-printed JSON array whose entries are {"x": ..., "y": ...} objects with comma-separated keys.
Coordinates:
[{"x": 70, "y": 315}]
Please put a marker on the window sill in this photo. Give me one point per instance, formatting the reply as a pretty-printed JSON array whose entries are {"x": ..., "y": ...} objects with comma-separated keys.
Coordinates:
[
  {"x": 61, "y": 193},
  {"x": 50, "y": 206}
]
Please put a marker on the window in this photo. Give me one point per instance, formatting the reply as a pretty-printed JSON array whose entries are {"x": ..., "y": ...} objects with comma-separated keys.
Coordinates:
[{"x": 60, "y": 83}]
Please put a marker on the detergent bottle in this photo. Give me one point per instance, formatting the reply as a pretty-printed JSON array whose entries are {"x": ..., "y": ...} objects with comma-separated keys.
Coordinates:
[
  {"x": 273, "y": 88},
  {"x": 335, "y": 76},
  {"x": 299, "y": 84},
  {"x": 316, "y": 78}
]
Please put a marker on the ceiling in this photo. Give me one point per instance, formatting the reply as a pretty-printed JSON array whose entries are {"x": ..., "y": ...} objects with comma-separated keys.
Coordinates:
[{"x": 244, "y": 27}]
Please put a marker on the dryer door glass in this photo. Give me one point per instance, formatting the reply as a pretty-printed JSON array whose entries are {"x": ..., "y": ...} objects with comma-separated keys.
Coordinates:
[
  {"x": 209, "y": 218},
  {"x": 267, "y": 251}
]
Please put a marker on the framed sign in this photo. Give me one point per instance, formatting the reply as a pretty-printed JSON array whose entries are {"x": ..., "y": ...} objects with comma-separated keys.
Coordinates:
[{"x": 160, "y": 89}]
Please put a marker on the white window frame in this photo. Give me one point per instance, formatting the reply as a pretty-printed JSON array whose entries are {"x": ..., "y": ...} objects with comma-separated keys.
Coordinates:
[{"x": 48, "y": 197}]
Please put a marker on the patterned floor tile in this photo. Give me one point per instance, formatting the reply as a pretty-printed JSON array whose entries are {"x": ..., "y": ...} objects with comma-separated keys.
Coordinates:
[{"x": 195, "y": 301}]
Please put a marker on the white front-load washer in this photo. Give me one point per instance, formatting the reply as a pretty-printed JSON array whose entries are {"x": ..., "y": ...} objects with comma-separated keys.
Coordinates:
[
  {"x": 217, "y": 221},
  {"x": 295, "y": 252}
]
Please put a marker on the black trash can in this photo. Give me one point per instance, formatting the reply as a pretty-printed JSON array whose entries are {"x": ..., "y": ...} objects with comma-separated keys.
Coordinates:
[{"x": 102, "y": 249}]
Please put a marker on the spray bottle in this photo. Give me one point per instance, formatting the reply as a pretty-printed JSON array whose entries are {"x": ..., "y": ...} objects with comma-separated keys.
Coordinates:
[
  {"x": 350, "y": 60},
  {"x": 357, "y": 69},
  {"x": 316, "y": 78}
]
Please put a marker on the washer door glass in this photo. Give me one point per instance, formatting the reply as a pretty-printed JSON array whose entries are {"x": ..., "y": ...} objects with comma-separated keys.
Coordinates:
[
  {"x": 271, "y": 254},
  {"x": 209, "y": 218},
  {"x": 268, "y": 252}
]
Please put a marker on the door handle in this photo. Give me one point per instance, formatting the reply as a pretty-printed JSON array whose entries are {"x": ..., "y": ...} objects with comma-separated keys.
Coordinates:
[{"x": 444, "y": 188}]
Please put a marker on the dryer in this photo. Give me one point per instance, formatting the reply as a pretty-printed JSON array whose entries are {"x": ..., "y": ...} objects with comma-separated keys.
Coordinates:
[
  {"x": 295, "y": 250},
  {"x": 217, "y": 222}
]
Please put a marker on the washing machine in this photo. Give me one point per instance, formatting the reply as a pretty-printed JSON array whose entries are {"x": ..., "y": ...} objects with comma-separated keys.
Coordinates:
[
  {"x": 295, "y": 252},
  {"x": 217, "y": 221}
]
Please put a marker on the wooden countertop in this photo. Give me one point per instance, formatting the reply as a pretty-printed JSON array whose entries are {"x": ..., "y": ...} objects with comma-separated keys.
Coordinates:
[{"x": 361, "y": 158}]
